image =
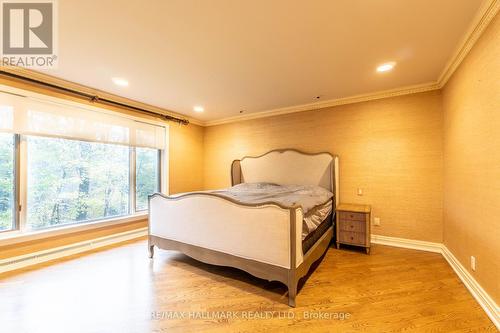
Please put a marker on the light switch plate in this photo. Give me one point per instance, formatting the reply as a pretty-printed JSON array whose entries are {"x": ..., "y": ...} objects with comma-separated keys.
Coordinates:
[
  {"x": 473, "y": 263},
  {"x": 376, "y": 221}
]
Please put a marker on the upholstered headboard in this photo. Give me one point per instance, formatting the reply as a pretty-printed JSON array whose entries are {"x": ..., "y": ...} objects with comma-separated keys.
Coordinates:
[{"x": 289, "y": 166}]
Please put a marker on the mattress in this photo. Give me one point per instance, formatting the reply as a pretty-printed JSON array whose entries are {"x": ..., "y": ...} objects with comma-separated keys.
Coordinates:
[
  {"x": 316, "y": 234},
  {"x": 314, "y": 217},
  {"x": 315, "y": 201}
]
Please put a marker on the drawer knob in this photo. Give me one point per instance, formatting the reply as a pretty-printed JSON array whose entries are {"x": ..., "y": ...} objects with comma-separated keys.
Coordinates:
[
  {"x": 352, "y": 238},
  {"x": 352, "y": 215},
  {"x": 352, "y": 226}
]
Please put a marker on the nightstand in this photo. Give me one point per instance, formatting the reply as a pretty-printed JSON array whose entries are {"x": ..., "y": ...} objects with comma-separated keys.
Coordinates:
[{"x": 353, "y": 225}]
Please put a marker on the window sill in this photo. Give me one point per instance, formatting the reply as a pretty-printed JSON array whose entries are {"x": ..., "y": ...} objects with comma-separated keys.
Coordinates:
[{"x": 16, "y": 236}]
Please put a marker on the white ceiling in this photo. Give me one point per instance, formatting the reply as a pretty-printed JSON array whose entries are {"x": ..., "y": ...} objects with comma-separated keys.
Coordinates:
[{"x": 253, "y": 55}]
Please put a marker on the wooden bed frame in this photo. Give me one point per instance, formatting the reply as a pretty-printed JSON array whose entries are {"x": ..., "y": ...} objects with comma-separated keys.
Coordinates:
[{"x": 287, "y": 275}]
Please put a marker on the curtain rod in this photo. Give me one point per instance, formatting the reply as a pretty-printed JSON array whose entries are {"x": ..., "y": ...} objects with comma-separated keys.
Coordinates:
[{"x": 94, "y": 98}]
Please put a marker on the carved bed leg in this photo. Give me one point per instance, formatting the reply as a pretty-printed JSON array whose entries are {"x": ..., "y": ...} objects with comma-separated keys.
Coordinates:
[{"x": 151, "y": 249}]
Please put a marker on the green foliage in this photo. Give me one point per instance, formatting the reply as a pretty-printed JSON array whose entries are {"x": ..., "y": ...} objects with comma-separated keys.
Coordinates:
[
  {"x": 74, "y": 181},
  {"x": 6, "y": 180},
  {"x": 147, "y": 175}
]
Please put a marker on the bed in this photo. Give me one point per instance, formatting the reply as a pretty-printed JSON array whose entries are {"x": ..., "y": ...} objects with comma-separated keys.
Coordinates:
[{"x": 264, "y": 237}]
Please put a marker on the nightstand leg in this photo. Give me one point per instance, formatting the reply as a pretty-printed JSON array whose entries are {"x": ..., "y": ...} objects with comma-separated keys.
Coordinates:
[
  {"x": 367, "y": 250},
  {"x": 338, "y": 245}
]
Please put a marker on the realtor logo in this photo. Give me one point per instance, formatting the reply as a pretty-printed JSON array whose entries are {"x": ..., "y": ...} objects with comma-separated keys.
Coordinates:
[{"x": 28, "y": 33}]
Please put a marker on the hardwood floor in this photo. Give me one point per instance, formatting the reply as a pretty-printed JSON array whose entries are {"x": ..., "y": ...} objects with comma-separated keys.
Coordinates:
[{"x": 118, "y": 289}]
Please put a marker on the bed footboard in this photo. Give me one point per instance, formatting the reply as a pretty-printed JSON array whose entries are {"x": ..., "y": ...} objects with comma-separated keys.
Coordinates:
[
  {"x": 256, "y": 268},
  {"x": 263, "y": 239}
]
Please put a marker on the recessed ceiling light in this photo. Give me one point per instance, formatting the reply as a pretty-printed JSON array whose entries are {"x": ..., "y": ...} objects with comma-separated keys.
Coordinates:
[
  {"x": 198, "y": 108},
  {"x": 386, "y": 67},
  {"x": 120, "y": 81}
]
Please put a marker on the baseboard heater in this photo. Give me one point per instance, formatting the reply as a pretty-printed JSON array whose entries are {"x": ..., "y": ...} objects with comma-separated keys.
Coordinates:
[{"x": 25, "y": 260}]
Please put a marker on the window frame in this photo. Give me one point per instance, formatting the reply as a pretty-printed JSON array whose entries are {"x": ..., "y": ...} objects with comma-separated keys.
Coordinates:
[
  {"x": 15, "y": 174},
  {"x": 17, "y": 184},
  {"x": 21, "y": 196},
  {"x": 158, "y": 172}
]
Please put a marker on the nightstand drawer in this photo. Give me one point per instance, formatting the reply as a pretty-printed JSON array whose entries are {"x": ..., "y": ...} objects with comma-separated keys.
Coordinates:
[
  {"x": 352, "y": 216},
  {"x": 352, "y": 225},
  {"x": 355, "y": 238}
]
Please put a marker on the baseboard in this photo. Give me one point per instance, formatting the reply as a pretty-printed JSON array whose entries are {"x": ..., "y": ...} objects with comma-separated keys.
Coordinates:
[
  {"x": 485, "y": 301},
  {"x": 407, "y": 243},
  {"x": 25, "y": 260}
]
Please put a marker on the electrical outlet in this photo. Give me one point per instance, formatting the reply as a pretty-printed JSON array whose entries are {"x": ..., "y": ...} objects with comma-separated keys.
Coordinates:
[
  {"x": 376, "y": 221},
  {"x": 360, "y": 191},
  {"x": 473, "y": 263}
]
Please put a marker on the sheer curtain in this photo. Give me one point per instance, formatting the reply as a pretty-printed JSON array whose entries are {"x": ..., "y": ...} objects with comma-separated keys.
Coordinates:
[{"x": 32, "y": 116}]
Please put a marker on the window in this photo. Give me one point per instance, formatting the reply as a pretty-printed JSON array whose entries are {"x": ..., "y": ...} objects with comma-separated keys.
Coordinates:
[
  {"x": 7, "y": 190},
  {"x": 147, "y": 176},
  {"x": 75, "y": 181},
  {"x": 64, "y": 163}
]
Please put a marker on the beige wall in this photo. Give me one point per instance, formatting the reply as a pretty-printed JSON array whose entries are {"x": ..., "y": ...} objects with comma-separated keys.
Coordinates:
[
  {"x": 186, "y": 158},
  {"x": 471, "y": 102},
  {"x": 392, "y": 148}
]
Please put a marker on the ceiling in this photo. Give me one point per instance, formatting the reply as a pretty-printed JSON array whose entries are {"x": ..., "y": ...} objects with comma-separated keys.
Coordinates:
[{"x": 230, "y": 56}]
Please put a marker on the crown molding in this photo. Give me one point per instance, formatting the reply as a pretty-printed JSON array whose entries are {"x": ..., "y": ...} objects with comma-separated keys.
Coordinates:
[
  {"x": 479, "y": 24},
  {"x": 329, "y": 103}
]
